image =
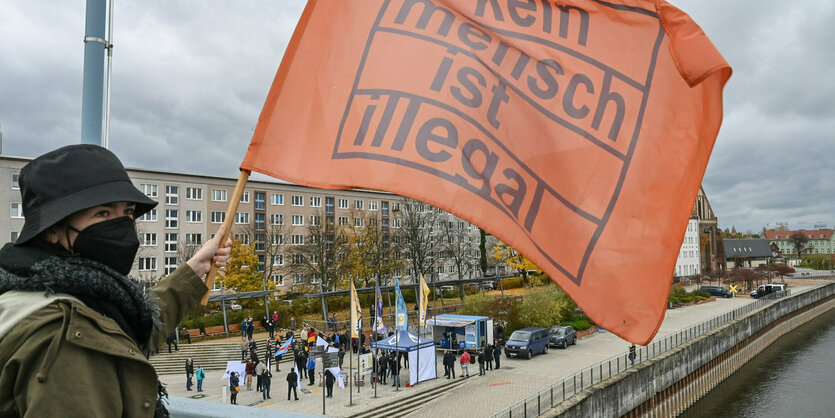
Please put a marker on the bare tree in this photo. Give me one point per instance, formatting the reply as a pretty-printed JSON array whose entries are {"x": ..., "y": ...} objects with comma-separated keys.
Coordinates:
[
  {"x": 420, "y": 236},
  {"x": 321, "y": 256},
  {"x": 459, "y": 247},
  {"x": 799, "y": 240},
  {"x": 374, "y": 250}
]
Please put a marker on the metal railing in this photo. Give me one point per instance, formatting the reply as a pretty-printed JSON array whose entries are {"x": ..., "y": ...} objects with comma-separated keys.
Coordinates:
[{"x": 553, "y": 395}]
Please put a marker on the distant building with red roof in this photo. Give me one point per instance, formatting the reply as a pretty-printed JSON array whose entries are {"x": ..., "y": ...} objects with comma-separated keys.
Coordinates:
[{"x": 820, "y": 240}]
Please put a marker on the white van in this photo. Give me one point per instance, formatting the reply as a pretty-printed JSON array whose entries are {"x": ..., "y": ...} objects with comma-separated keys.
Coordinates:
[{"x": 766, "y": 289}]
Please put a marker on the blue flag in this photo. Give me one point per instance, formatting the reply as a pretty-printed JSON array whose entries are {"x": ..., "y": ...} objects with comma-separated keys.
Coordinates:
[
  {"x": 378, "y": 314},
  {"x": 284, "y": 347},
  {"x": 402, "y": 317}
]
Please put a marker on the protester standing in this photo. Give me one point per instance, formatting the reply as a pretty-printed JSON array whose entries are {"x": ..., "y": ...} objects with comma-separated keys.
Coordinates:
[
  {"x": 266, "y": 379},
  {"x": 250, "y": 328},
  {"x": 395, "y": 371},
  {"x": 250, "y": 371},
  {"x": 497, "y": 354},
  {"x": 488, "y": 357},
  {"x": 480, "y": 359},
  {"x": 292, "y": 382},
  {"x": 465, "y": 363},
  {"x": 382, "y": 366},
  {"x": 200, "y": 375},
  {"x": 189, "y": 372},
  {"x": 259, "y": 375},
  {"x": 244, "y": 347},
  {"x": 329, "y": 379},
  {"x": 311, "y": 370},
  {"x": 234, "y": 387}
]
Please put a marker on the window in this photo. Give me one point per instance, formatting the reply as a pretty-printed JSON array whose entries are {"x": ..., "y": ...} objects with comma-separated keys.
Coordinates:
[
  {"x": 171, "y": 243},
  {"x": 344, "y": 221},
  {"x": 171, "y": 195},
  {"x": 259, "y": 242},
  {"x": 384, "y": 227},
  {"x": 384, "y": 208},
  {"x": 261, "y": 261},
  {"x": 277, "y": 199},
  {"x": 15, "y": 184},
  {"x": 278, "y": 279},
  {"x": 147, "y": 263},
  {"x": 243, "y": 238},
  {"x": 277, "y": 219},
  {"x": 148, "y": 239},
  {"x": 358, "y": 222},
  {"x": 170, "y": 265},
  {"x": 245, "y": 196},
  {"x": 194, "y": 216},
  {"x": 358, "y": 204},
  {"x": 260, "y": 201},
  {"x": 395, "y": 207},
  {"x": 298, "y": 220},
  {"x": 315, "y": 202},
  {"x": 14, "y": 236},
  {"x": 372, "y": 205},
  {"x": 218, "y": 217},
  {"x": 315, "y": 279},
  {"x": 328, "y": 205},
  {"x": 298, "y": 278},
  {"x": 298, "y": 200},
  {"x": 298, "y": 258},
  {"x": 171, "y": 219},
  {"x": 298, "y": 239},
  {"x": 260, "y": 221},
  {"x": 315, "y": 220},
  {"x": 218, "y": 195},
  {"x": 278, "y": 259},
  {"x": 242, "y": 218},
  {"x": 17, "y": 210},
  {"x": 149, "y": 216},
  {"x": 150, "y": 190},
  {"x": 343, "y": 203},
  {"x": 194, "y": 193},
  {"x": 194, "y": 239},
  {"x": 277, "y": 239}
]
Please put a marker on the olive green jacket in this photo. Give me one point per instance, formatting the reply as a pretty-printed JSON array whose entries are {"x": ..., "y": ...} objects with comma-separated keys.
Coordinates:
[{"x": 66, "y": 360}]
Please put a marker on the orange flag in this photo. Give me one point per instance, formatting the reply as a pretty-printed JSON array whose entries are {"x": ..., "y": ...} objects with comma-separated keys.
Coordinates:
[{"x": 576, "y": 131}]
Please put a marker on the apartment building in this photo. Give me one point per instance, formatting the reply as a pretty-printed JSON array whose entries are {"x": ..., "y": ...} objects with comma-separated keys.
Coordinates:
[
  {"x": 273, "y": 215},
  {"x": 819, "y": 241},
  {"x": 688, "y": 262}
]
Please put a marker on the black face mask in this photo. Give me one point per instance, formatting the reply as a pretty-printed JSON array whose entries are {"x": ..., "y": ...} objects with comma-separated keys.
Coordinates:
[{"x": 113, "y": 243}]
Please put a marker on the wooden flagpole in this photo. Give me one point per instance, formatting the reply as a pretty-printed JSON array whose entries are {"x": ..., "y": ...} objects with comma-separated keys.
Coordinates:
[{"x": 230, "y": 219}]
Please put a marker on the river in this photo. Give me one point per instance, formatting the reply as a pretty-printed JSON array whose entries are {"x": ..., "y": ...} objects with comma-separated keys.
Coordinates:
[{"x": 791, "y": 378}]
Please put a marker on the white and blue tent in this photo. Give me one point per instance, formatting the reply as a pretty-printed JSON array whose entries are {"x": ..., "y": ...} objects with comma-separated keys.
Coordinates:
[{"x": 406, "y": 342}]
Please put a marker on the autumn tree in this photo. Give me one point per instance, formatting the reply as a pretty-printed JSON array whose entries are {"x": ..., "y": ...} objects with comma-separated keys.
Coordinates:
[
  {"x": 241, "y": 272},
  {"x": 782, "y": 270},
  {"x": 516, "y": 260}
]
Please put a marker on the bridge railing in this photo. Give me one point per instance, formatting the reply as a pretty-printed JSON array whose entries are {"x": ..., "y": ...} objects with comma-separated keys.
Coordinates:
[{"x": 553, "y": 395}]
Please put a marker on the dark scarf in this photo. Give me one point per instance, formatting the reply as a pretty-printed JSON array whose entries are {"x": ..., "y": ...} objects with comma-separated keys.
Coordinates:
[{"x": 98, "y": 286}]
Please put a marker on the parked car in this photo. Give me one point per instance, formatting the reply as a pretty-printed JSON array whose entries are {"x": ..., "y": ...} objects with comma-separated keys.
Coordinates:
[
  {"x": 235, "y": 307},
  {"x": 562, "y": 336},
  {"x": 526, "y": 342},
  {"x": 446, "y": 288},
  {"x": 488, "y": 285},
  {"x": 765, "y": 289},
  {"x": 717, "y": 291}
]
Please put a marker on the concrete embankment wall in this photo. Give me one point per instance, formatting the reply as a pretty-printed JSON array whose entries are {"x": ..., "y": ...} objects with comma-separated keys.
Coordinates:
[{"x": 668, "y": 384}]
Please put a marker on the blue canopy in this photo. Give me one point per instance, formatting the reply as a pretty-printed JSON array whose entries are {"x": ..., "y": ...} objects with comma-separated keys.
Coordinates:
[{"x": 403, "y": 341}]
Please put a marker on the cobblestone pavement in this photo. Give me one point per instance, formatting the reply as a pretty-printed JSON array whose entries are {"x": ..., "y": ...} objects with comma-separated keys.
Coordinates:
[{"x": 480, "y": 395}]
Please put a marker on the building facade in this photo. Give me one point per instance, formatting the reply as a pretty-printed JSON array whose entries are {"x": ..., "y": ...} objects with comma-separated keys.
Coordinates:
[
  {"x": 819, "y": 241},
  {"x": 273, "y": 215},
  {"x": 688, "y": 262},
  {"x": 712, "y": 251}
]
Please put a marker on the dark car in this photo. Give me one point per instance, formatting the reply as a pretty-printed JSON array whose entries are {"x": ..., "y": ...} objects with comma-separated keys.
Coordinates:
[
  {"x": 526, "y": 342},
  {"x": 716, "y": 291},
  {"x": 562, "y": 336}
]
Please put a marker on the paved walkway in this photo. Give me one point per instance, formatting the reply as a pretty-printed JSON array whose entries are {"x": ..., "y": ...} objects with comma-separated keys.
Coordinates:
[{"x": 478, "y": 396}]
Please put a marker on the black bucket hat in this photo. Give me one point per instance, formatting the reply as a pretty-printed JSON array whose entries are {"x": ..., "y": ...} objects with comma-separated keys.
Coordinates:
[{"x": 73, "y": 178}]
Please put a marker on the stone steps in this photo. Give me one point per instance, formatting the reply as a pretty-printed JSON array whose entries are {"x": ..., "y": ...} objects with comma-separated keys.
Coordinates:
[{"x": 210, "y": 356}]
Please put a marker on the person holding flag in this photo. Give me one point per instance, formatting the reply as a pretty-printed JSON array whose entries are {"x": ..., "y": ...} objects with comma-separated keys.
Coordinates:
[
  {"x": 379, "y": 327},
  {"x": 284, "y": 348}
]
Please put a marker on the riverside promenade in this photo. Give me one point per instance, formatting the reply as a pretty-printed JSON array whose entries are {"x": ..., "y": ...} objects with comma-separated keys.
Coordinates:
[{"x": 477, "y": 396}]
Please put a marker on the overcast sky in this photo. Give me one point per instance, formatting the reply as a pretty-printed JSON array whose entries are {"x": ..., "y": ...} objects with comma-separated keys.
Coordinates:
[{"x": 190, "y": 78}]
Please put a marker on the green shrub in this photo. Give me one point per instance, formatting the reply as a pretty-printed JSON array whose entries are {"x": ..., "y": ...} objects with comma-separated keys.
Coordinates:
[{"x": 580, "y": 324}]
